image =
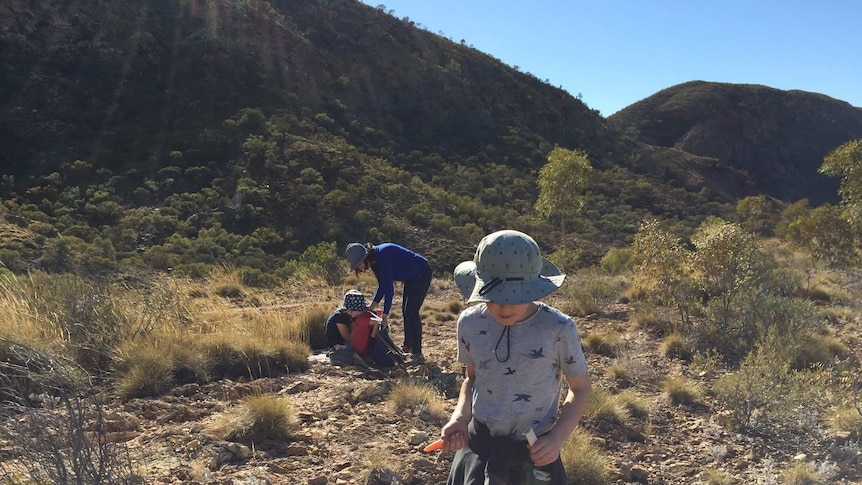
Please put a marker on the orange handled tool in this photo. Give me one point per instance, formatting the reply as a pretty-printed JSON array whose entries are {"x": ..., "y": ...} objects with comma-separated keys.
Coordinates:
[{"x": 434, "y": 446}]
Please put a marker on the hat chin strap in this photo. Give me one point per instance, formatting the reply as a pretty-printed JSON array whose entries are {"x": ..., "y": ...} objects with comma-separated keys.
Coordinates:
[{"x": 495, "y": 282}]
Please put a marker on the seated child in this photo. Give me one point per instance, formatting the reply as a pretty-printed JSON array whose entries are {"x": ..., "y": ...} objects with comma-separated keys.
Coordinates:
[{"x": 355, "y": 327}]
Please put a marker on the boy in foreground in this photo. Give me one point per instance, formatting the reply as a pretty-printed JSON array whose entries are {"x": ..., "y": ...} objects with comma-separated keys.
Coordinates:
[{"x": 516, "y": 351}]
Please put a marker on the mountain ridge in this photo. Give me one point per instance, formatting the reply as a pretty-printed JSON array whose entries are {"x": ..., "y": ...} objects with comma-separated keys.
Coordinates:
[
  {"x": 304, "y": 117},
  {"x": 778, "y": 137}
]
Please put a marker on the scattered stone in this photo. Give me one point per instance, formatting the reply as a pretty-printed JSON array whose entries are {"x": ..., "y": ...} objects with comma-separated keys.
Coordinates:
[
  {"x": 300, "y": 386},
  {"x": 380, "y": 476},
  {"x": 231, "y": 453},
  {"x": 296, "y": 450},
  {"x": 418, "y": 437},
  {"x": 371, "y": 391},
  {"x": 187, "y": 390},
  {"x": 639, "y": 475}
]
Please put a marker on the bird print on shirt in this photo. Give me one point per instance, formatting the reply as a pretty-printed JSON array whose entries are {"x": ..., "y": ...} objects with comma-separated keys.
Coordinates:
[
  {"x": 483, "y": 332},
  {"x": 522, "y": 397},
  {"x": 483, "y": 364},
  {"x": 509, "y": 371},
  {"x": 537, "y": 354},
  {"x": 465, "y": 343},
  {"x": 570, "y": 360}
]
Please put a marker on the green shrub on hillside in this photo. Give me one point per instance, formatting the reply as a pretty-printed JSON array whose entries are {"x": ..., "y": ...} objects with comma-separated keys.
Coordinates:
[{"x": 589, "y": 292}]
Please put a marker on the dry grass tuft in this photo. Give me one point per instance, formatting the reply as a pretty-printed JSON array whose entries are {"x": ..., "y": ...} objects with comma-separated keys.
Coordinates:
[
  {"x": 800, "y": 473},
  {"x": 417, "y": 397},
  {"x": 153, "y": 365},
  {"x": 634, "y": 405},
  {"x": 653, "y": 320},
  {"x": 604, "y": 407},
  {"x": 677, "y": 346},
  {"x": 375, "y": 462},
  {"x": 585, "y": 463},
  {"x": 681, "y": 391},
  {"x": 846, "y": 418},
  {"x": 718, "y": 477},
  {"x": 258, "y": 419},
  {"x": 602, "y": 343}
]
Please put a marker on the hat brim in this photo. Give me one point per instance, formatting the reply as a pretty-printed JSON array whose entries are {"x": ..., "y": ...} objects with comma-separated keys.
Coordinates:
[
  {"x": 548, "y": 281},
  {"x": 465, "y": 278},
  {"x": 353, "y": 264}
]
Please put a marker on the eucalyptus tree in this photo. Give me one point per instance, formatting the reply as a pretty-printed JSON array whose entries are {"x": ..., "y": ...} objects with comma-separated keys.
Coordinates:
[
  {"x": 846, "y": 162},
  {"x": 563, "y": 183}
]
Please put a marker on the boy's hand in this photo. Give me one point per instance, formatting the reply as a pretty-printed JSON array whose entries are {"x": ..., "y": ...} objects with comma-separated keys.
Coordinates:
[
  {"x": 545, "y": 450},
  {"x": 454, "y": 435}
]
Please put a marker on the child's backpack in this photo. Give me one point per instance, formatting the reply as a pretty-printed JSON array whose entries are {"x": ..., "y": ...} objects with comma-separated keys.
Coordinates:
[{"x": 360, "y": 335}]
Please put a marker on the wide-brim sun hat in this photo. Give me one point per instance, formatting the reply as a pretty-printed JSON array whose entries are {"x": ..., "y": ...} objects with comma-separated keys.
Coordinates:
[
  {"x": 465, "y": 278},
  {"x": 355, "y": 253},
  {"x": 510, "y": 269},
  {"x": 354, "y": 300},
  {"x": 465, "y": 275}
]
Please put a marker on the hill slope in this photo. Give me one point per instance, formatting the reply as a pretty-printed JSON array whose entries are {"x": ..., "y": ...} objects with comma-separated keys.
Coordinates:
[
  {"x": 177, "y": 133},
  {"x": 778, "y": 137}
]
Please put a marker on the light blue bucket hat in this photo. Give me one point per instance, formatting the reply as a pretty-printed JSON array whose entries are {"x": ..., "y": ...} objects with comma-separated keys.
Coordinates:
[{"x": 507, "y": 268}]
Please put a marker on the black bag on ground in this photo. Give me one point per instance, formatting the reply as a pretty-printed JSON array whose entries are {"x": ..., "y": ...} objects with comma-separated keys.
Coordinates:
[{"x": 383, "y": 351}]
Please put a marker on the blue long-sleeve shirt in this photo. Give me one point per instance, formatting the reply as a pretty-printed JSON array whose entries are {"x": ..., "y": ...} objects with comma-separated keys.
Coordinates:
[{"x": 394, "y": 263}]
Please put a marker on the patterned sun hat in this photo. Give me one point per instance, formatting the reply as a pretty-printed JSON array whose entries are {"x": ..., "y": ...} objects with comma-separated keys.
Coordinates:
[
  {"x": 354, "y": 300},
  {"x": 465, "y": 278},
  {"x": 510, "y": 269}
]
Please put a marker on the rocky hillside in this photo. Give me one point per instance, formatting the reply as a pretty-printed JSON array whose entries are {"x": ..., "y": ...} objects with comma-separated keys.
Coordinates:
[{"x": 779, "y": 138}]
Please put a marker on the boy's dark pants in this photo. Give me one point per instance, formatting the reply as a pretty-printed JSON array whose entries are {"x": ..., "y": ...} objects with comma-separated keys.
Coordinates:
[{"x": 506, "y": 461}]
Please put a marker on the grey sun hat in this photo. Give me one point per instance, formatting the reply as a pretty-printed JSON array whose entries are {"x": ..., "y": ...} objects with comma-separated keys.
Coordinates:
[
  {"x": 510, "y": 269},
  {"x": 354, "y": 300},
  {"x": 355, "y": 253},
  {"x": 465, "y": 278}
]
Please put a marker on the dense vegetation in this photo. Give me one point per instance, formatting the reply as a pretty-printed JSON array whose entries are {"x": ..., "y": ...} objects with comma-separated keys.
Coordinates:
[{"x": 204, "y": 138}]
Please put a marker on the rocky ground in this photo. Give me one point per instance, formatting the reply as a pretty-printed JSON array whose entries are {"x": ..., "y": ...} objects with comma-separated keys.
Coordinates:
[{"x": 349, "y": 432}]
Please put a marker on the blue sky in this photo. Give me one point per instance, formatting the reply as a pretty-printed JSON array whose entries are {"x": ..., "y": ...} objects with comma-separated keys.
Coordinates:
[{"x": 617, "y": 52}]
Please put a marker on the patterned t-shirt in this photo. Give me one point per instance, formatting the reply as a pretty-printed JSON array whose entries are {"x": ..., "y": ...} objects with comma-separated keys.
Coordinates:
[{"x": 519, "y": 375}]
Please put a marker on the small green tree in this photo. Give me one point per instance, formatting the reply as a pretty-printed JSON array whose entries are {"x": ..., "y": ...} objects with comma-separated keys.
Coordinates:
[
  {"x": 825, "y": 233},
  {"x": 663, "y": 269},
  {"x": 562, "y": 184},
  {"x": 789, "y": 215},
  {"x": 846, "y": 162},
  {"x": 757, "y": 214},
  {"x": 729, "y": 265}
]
